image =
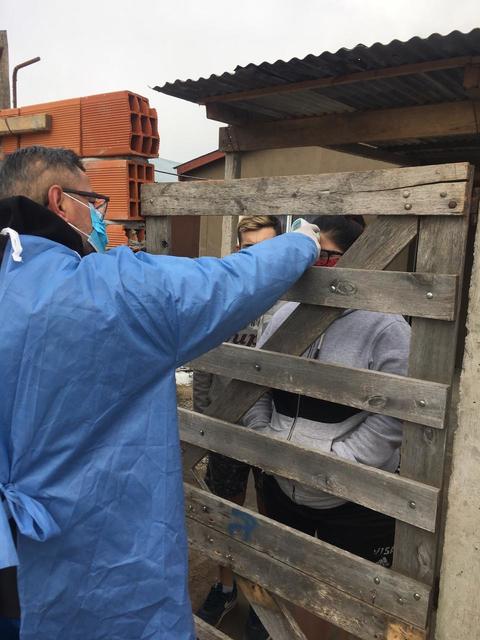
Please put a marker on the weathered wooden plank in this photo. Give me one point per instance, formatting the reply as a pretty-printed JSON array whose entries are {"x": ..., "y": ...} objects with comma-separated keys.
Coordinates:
[
  {"x": 365, "y": 621},
  {"x": 471, "y": 80},
  {"x": 205, "y": 631},
  {"x": 275, "y": 616},
  {"x": 405, "y": 191},
  {"x": 458, "y": 612},
  {"x": 441, "y": 247},
  {"x": 233, "y": 115},
  {"x": 16, "y": 125},
  {"x": 415, "y": 294},
  {"x": 394, "y": 593},
  {"x": 385, "y": 492},
  {"x": 158, "y": 235},
  {"x": 349, "y": 78},
  {"x": 377, "y": 392},
  {"x": 402, "y": 123},
  {"x": 378, "y": 245}
]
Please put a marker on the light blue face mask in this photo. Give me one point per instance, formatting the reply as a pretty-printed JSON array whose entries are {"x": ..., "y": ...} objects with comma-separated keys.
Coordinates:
[{"x": 98, "y": 236}]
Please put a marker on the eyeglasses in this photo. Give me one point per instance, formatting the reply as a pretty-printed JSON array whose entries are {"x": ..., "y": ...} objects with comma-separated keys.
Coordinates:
[
  {"x": 328, "y": 258},
  {"x": 99, "y": 201}
]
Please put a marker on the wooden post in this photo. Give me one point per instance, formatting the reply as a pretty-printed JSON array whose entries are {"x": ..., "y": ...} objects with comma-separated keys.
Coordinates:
[
  {"x": 158, "y": 231},
  {"x": 233, "y": 170},
  {"x": 4, "y": 72},
  {"x": 458, "y": 613},
  {"x": 441, "y": 249}
]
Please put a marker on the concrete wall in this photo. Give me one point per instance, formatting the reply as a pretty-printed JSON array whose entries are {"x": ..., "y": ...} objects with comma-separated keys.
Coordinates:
[
  {"x": 303, "y": 160},
  {"x": 458, "y": 616}
]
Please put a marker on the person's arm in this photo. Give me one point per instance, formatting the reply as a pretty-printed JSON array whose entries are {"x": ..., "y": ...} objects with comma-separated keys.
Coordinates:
[
  {"x": 376, "y": 439},
  {"x": 259, "y": 416},
  {"x": 202, "y": 382},
  {"x": 209, "y": 299}
]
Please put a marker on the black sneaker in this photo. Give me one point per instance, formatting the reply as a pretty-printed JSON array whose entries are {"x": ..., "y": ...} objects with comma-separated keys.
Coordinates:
[
  {"x": 254, "y": 629},
  {"x": 217, "y": 604}
]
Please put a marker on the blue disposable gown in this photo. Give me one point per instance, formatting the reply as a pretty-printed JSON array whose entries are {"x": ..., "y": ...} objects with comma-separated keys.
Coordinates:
[{"x": 90, "y": 462}]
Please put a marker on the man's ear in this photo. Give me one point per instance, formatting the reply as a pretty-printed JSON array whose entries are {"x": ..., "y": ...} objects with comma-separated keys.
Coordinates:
[
  {"x": 237, "y": 247},
  {"x": 55, "y": 200}
]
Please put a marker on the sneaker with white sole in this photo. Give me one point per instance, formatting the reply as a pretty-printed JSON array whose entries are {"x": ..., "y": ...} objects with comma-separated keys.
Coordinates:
[{"x": 217, "y": 604}]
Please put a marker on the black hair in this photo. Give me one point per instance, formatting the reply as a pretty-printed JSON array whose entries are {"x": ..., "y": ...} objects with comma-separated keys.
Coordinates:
[
  {"x": 24, "y": 172},
  {"x": 342, "y": 230}
]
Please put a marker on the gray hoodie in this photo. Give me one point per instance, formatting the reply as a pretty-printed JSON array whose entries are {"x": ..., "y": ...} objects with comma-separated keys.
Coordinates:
[
  {"x": 207, "y": 386},
  {"x": 358, "y": 339}
]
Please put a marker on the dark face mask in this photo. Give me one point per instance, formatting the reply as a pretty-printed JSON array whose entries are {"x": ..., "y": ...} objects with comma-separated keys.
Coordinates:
[{"x": 328, "y": 258}]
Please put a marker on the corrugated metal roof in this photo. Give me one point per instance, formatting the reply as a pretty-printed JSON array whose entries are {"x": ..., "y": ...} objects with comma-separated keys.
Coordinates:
[{"x": 416, "y": 89}]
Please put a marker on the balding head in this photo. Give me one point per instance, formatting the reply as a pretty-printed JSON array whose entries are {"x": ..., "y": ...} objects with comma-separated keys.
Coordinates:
[{"x": 31, "y": 171}]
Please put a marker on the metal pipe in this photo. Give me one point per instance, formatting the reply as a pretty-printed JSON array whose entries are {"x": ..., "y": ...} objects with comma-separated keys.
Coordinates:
[{"x": 14, "y": 77}]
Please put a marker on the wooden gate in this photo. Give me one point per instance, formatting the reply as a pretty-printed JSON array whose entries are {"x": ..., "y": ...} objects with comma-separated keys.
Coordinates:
[{"x": 424, "y": 207}]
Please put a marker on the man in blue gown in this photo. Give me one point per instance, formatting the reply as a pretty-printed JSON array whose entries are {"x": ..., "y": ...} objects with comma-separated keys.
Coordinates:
[{"x": 90, "y": 469}]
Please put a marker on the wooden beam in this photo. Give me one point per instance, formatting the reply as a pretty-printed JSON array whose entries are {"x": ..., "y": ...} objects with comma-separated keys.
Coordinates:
[
  {"x": 441, "y": 247},
  {"x": 376, "y": 489},
  {"x": 233, "y": 115},
  {"x": 16, "y": 125},
  {"x": 373, "y": 391},
  {"x": 363, "y": 620},
  {"x": 313, "y": 557},
  {"x": 471, "y": 80},
  {"x": 404, "y": 123},
  {"x": 350, "y": 78},
  {"x": 434, "y": 190},
  {"x": 415, "y": 294},
  {"x": 4, "y": 72},
  {"x": 158, "y": 234},
  {"x": 273, "y": 613}
]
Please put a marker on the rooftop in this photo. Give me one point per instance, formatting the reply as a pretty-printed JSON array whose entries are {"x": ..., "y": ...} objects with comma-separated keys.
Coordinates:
[{"x": 421, "y": 71}]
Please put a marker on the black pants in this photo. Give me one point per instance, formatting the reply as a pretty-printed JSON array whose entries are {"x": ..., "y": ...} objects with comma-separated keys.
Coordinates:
[
  {"x": 350, "y": 526},
  {"x": 227, "y": 477}
]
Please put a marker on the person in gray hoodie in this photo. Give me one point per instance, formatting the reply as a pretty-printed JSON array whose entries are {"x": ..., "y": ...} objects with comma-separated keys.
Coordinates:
[{"x": 358, "y": 339}]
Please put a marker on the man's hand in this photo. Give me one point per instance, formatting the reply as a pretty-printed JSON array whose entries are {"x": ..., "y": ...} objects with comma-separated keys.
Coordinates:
[{"x": 310, "y": 230}]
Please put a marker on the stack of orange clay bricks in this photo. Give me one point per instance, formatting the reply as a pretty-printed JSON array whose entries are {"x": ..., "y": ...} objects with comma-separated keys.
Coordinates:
[{"x": 115, "y": 134}]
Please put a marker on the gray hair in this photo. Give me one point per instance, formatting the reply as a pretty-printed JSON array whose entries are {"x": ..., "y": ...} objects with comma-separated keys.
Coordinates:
[{"x": 31, "y": 172}]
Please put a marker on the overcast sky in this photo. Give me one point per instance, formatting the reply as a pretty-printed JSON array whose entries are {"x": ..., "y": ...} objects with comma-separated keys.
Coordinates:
[{"x": 96, "y": 46}]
